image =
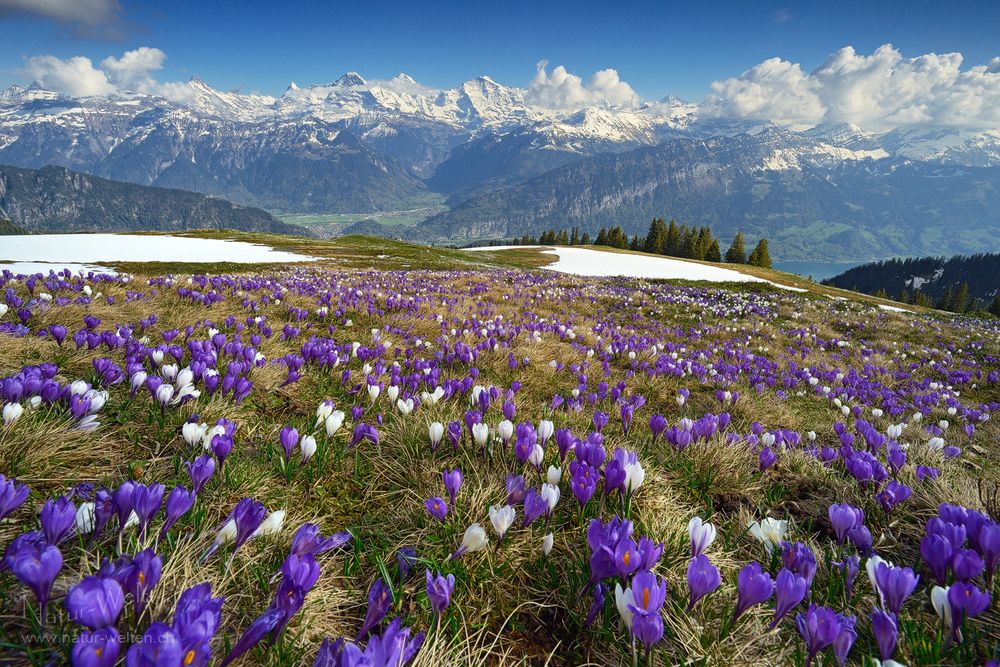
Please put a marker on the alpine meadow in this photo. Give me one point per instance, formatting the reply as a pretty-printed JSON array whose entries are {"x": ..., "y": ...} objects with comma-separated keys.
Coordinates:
[{"x": 507, "y": 362}]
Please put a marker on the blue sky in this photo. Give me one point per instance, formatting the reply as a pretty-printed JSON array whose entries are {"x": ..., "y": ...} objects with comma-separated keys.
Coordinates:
[{"x": 657, "y": 47}]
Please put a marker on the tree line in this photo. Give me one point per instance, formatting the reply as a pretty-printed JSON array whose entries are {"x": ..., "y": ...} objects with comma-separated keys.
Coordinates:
[
  {"x": 960, "y": 284},
  {"x": 671, "y": 239}
]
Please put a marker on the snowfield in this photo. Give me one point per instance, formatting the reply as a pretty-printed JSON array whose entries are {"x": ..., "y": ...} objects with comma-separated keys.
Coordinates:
[
  {"x": 597, "y": 263},
  {"x": 78, "y": 252}
]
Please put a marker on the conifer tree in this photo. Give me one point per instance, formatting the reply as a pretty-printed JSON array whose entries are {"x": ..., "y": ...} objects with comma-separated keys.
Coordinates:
[
  {"x": 574, "y": 238},
  {"x": 995, "y": 306},
  {"x": 760, "y": 256},
  {"x": 961, "y": 299},
  {"x": 674, "y": 242},
  {"x": 714, "y": 253},
  {"x": 585, "y": 239},
  {"x": 602, "y": 237},
  {"x": 737, "y": 253}
]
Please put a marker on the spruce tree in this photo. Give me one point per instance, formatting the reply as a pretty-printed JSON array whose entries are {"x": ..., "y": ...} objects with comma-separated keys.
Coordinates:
[
  {"x": 961, "y": 299},
  {"x": 760, "y": 256},
  {"x": 995, "y": 306},
  {"x": 634, "y": 245},
  {"x": 674, "y": 243},
  {"x": 714, "y": 253},
  {"x": 574, "y": 238},
  {"x": 585, "y": 239},
  {"x": 737, "y": 253},
  {"x": 602, "y": 237}
]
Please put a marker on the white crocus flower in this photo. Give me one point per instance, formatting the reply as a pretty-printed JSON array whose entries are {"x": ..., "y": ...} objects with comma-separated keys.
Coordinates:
[
  {"x": 547, "y": 543},
  {"x": 392, "y": 392},
  {"x": 536, "y": 456},
  {"x": 623, "y": 598},
  {"x": 11, "y": 413},
  {"x": 770, "y": 532},
  {"x": 85, "y": 518},
  {"x": 324, "y": 410},
  {"x": 554, "y": 475},
  {"x": 474, "y": 539},
  {"x": 481, "y": 433},
  {"x": 545, "y": 430},
  {"x": 193, "y": 433},
  {"x": 505, "y": 430},
  {"x": 435, "y": 431},
  {"x": 635, "y": 475},
  {"x": 502, "y": 519},
  {"x": 702, "y": 535},
  {"x": 334, "y": 422},
  {"x": 551, "y": 494},
  {"x": 939, "y": 600},
  {"x": 271, "y": 525},
  {"x": 307, "y": 446},
  {"x": 373, "y": 391},
  {"x": 405, "y": 407}
]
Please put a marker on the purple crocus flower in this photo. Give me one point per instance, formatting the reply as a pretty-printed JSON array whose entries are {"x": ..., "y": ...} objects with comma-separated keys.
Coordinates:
[
  {"x": 844, "y": 518},
  {"x": 196, "y": 618},
  {"x": 657, "y": 424},
  {"x": 99, "y": 648},
  {"x": 516, "y": 489},
  {"x": 222, "y": 445},
  {"x": 288, "y": 437},
  {"x": 454, "y": 433},
  {"x": 886, "y": 632},
  {"x": 104, "y": 509},
  {"x": 892, "y": 494},
  {"x": 799, "y": 558},
  {"x": 583, "y": 482},
  {"x": 819, "y": 628},
  {"x": 437, "y": 507},
  {"x": 439, "y": 590},
  {"x": 790, "y": 590},
  {"x": 850, "y": 567},
  {"x": 179, "y": 502},
  {"x": 58, "y": 518},
  {"x": 200, "y": 471},
  {"x": 966, "y": 601},
  {"x": 95, "y": 602},
  {"x": 379, "y": 601},
  {"x": 861, "y": 537},
  {"x": 146, "y": 502},
  {"x": 845, "y": 640},
  {"x": 12, "y": 495},
  {"x": 405, "y": 560},
  {"x": 894, "y": 584},
  {"x": 308, "y": 540},
  {"x": 596, "y": 606},
  {"x": 260, "y": 628},
  {"x": 989, "y": 546},
  {"x": 936, "y": 552},
  {"x": 753, "y": 586},
  {"x": 648, "y": 594},
  {"x": 123, "y": 502},
  {"x": 143, "y": 576},
  {"x": 535, "y": 505},
  {"x": 452, "y": 483},
  {"x": 966, "y": 564},
  {"x": 35, "y": 564},
  {"x": 703, "y": 578}
]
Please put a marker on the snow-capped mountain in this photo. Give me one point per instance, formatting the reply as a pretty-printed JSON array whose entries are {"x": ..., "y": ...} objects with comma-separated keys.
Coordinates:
[{"x": 354, "y": 145}]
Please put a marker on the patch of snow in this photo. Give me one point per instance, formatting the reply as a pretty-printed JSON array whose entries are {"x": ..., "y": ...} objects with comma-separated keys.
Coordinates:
[
  {"x": 80, "y": 251},
  {"x": 893, "y": 309},
  {"x": 597, "y": 263}
]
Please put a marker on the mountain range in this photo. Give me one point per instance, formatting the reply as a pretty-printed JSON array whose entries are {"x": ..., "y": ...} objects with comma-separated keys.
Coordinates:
[
  {"x": 505, "y": 164},
  {"x": 55, "y": 200}
]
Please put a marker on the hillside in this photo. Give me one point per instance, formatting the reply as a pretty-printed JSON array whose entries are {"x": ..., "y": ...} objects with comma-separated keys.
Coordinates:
[
  {"x": 934, "y": 276},
  {"x": 838, "y": 209},
  {"x": 55, "y": 200},
  {"x": 8, "y": 228}
]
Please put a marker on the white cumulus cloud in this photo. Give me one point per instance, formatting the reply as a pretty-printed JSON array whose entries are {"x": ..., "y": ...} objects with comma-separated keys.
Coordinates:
[
  {"x": 79, "y": 77},
  {"x": 562, "y": 89},
  {"x": 883, "y": 90},
  {"x": 74, "y": 76}
]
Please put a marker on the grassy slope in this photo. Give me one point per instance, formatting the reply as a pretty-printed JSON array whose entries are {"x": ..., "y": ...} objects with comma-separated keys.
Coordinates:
[{"x": 512, "y": 605}]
